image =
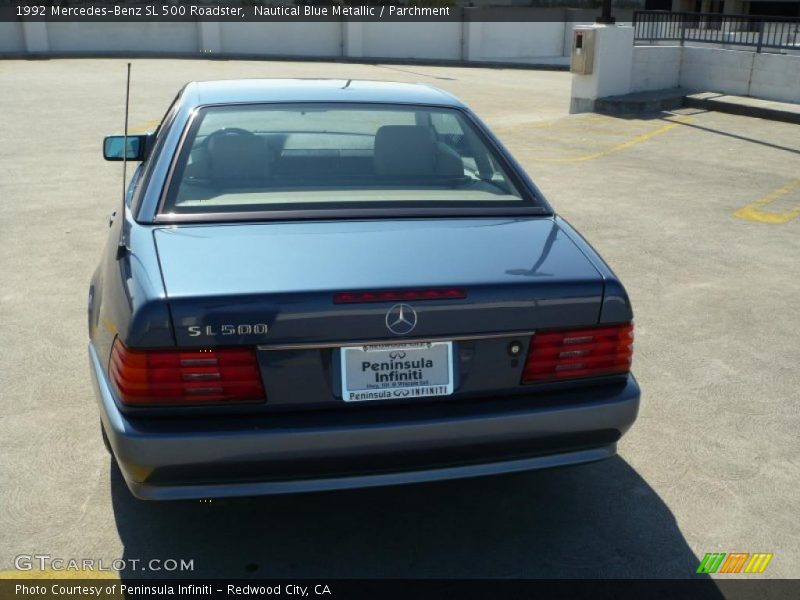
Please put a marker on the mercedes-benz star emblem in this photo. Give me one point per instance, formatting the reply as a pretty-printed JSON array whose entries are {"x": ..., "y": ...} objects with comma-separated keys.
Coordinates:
[{"x": 401, "y": 319}]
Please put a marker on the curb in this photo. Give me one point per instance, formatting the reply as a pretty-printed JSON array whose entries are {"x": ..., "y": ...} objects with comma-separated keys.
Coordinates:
[
  {"x": 744, "y": 106},
  {"x": 672, "y": 98}
]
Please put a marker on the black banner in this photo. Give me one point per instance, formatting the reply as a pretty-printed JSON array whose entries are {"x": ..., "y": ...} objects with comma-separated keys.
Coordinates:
[
  {"x": 700, "y": 588},
  {"x": 255, "y": 11}
]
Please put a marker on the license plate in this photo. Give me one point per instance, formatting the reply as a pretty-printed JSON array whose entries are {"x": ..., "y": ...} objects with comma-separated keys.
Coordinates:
[{"x": 397, "y": 371}]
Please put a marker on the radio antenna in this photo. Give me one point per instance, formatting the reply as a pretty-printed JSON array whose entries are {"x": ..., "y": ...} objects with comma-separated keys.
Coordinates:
[{"x": 125, "y": 142}]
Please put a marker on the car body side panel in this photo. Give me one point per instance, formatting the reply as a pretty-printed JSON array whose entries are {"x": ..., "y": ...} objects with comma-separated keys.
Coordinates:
[
  {"x": 616, "y": 304},
  {"x": 127, "y": 297}
]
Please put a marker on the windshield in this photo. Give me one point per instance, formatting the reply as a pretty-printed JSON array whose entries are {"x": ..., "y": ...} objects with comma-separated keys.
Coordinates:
[{"x": 246, "y": 158}]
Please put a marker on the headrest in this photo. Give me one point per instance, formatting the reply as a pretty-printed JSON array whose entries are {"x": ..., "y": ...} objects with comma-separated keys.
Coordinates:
[
  {"x": 405, "y": 150},
  {"x": 238, "y": 160}
]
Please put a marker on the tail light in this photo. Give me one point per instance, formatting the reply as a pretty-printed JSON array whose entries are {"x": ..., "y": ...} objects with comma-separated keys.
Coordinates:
[
  {"x": 574, "y": 353},
  {"x": 185, "y": 377}
]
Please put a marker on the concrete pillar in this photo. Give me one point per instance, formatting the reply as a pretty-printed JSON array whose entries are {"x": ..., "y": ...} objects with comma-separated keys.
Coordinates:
[
  {"x": 210, "y": 35},
  {"x": 353, "y": 39},
  {"x": 611, "y": 70},
  {"x": 471, "y": 40},
  {"x": 35, "y": 35}
]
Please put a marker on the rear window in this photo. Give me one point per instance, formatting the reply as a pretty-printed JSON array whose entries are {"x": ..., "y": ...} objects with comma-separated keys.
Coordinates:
[{"x": 264, "y": 157}]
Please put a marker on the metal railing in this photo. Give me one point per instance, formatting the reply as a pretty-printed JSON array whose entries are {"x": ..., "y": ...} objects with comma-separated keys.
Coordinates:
[{"x": 760, "y": 33}]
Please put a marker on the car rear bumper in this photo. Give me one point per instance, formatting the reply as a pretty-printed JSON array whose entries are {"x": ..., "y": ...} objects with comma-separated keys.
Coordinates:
[{"x": 274, "y": 454}]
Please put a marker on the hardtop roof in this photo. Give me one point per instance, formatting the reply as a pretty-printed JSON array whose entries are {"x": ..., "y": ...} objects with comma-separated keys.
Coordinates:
[{"x": 238, "y": 91}]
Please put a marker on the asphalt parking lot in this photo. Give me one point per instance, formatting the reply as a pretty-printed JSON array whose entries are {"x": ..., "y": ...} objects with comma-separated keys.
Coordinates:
[{"x": 699, "y": 214}]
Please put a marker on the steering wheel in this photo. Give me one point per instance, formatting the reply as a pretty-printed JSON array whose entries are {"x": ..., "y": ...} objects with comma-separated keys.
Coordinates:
[{"x": 225, "y": 131}]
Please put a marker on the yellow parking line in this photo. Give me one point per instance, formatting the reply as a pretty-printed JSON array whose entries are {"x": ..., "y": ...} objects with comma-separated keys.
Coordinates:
[
  {"x": 752, "y": 211},
  {"x": 146, "y": 126},
  {"x": 618, "y": 147},
  {"x": 560, "y": 123},
  {"x": 623, "y": 146}
]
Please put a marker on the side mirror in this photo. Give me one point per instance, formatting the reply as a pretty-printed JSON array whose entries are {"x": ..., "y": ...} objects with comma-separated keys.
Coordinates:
[{"x": 137, "y": 147}]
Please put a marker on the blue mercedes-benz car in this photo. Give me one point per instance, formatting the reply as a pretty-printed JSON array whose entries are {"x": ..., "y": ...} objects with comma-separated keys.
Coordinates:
[{"x": 320, "y": 284}]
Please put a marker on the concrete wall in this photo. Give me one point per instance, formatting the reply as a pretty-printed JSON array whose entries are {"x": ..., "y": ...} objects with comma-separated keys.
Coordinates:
[
  {"x": 737, "y": 72},
  {"x": 279, "y": 39},
  {"x": 91, "y": 37},
  {"x": 512, "y": 41},
  {"x": 11, "y": 38},
  {"x": 716, "y": 70},
  {"x": 437, "y": 41},
  {"x": 655, "y": 68},
  {"x": 776, "y": 77},
  {"x": 544, "y": 38},
  {"x": 528, "y": 33}
]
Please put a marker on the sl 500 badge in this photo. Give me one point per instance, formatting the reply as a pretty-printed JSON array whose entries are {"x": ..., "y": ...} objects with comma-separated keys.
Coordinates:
[{"x": 217, "y": 330}]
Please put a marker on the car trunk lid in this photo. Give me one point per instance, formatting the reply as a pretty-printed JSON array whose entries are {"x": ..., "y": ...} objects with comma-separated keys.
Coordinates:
[{"x": 274, "y": 283}]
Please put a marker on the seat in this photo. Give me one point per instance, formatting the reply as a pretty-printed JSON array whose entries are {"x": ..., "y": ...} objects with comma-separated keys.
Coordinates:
[
  {"x": 411, "y": 151},
  {"x": 237, "y": 160}
]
